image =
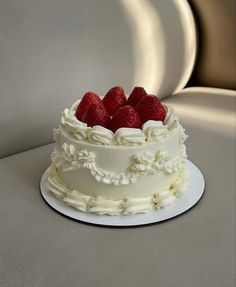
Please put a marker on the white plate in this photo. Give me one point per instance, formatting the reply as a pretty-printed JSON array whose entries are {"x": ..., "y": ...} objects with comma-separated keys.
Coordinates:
[{"x": 188, "y": 200}]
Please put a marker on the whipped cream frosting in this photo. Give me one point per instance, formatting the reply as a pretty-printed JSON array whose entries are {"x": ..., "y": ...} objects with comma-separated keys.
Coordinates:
[
  {"x": 102, "y": 206},
  {"x": 72, "y": 125},
  {"x": 77, "y": 200},
  {"x": 101, "y": 136},
  {"x": 154, "y": 130},
  {"x": 129, "y": 136},
  {"x": 183, "y": 136},
  {"x": 138, "y": 205},
  {"x": 171, "y": 120},
  {"x": 126, "y": 206},
  {"x": 56, "y": 135}
]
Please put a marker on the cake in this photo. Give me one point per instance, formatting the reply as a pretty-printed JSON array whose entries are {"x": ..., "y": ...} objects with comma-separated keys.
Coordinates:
[{"x": 118, "y": 155}]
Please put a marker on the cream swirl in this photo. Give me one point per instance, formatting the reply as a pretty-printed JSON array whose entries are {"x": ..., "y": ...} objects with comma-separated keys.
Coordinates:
[
  {"x": 129, "y": 136},
  {"x": 154, "y": 130},
  {"x": 69, "y": 120},
  {"x": 75, "y": 127},
  {"x": 101, "y": 136},
  {"x": 171, "y": 120}
]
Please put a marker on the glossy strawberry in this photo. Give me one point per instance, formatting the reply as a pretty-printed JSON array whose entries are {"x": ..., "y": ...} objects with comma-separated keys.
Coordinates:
[
  {"x": 136, "y": 96},
  {"x": 88, "y": 99},
  {"x": 162, "y": 113},
  {"x": 150, "y": 108},
  {"x": 126, "y": 117},
  {"x": 96, "y": 115},
  {"x": 114, "y": 99}
]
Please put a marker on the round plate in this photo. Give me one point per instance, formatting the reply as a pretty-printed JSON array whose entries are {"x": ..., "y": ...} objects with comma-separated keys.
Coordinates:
[{"x": 189, "y": 199}]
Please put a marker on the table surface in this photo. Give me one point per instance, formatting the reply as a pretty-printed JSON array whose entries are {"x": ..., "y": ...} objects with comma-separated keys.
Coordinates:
[{"x": 39, "y": 247}]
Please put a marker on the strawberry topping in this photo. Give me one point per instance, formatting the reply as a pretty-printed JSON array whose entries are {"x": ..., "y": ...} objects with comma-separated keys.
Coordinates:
[
  {"x": 88, "y": 99},
  {"x": 150, "y": 108},
  {"x": 96, "y": 115},
  {"x": 126, "y": 117},
  {"x": 162, "y": 113},
  {"x": 115, "y": 111},
  {"x": 136, "y": 96},
  {"x": 114, "y": 99}
]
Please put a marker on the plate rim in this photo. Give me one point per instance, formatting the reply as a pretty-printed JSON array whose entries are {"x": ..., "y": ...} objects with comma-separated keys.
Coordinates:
[{"x": 101, "y": 220}]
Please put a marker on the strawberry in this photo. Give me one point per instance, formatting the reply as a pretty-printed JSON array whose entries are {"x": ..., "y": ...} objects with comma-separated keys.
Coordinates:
[
  {"x": 114, "y": 99},
  {"x": 88, "y": 99},
  {"x": 126, "y": 117},
  {"x": 162, "y": 113},
  {"x": 96, "y": 115},
  {"x": 150, "y": 108},
  {"x": 136, "y": 96}
]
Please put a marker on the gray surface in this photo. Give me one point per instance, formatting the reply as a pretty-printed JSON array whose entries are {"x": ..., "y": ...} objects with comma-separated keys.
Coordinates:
[
  {"x": 53, "y": 51},
  {"x": 39, "y": 247}
]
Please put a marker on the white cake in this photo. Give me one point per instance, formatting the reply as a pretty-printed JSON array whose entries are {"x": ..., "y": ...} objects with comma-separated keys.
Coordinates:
[{"x": 130, "y": 171}]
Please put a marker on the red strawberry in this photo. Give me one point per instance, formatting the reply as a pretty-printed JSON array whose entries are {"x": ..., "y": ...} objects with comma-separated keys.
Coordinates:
[
  {"x": 136, "y": 96},
  {"x": 88, "y": 99},
  {"x": 162, "y": 113},
  {"x": 96, "y": 115},
  {"x": 114, "y": 99},
  {"x": 150, "y": 108},
  {"x": 126, "y": 117}
]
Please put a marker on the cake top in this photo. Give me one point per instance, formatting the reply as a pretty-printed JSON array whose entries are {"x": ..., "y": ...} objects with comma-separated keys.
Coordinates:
[
  {"x": 119, "y": 120},
  {"x": 116, "y": 111}
]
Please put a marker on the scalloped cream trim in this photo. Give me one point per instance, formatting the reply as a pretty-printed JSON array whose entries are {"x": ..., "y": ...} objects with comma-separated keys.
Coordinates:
[{"x": 143, "y": 164}]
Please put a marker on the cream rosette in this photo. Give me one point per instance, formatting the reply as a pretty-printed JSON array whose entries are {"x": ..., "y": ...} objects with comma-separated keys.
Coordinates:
[
  {"x": 129, "y": 136},
  {"x": 171, "y": 120},
  {"x": 101, "y": 136},
  {"x": 154, "y": 130},
  {"x": 73, "y": 126}
]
